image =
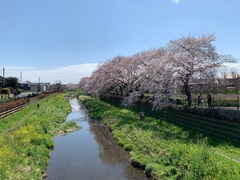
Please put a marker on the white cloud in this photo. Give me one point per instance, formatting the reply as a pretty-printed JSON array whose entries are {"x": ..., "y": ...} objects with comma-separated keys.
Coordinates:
[
  {"x": 227, "y": 68},
  {"x": 68, "y": 74},
  {"x": 175, "y": 1},
  {"x": 232, "y": 67},
  {"x": 16, "y": 68}
]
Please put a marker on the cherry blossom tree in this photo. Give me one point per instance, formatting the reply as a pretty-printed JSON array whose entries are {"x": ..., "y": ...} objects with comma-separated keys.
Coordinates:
[
  {"x": 84, "y": 84},
  {"x": 157, "y": 72},
  {"x": 153, "y": 76},
  {"x": 193, "y": 57}
]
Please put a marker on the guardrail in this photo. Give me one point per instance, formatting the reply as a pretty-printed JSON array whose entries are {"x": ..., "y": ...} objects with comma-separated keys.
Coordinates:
[{"x": 216, "y": 103}]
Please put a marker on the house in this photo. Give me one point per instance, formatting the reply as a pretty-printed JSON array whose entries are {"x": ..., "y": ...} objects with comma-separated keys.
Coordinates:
[
  {"x": 24, "y": 85},
  {"x": 233, "y": 82},
  {"x": 230, "y": 81},
  {"x": 34, "y": 87}
]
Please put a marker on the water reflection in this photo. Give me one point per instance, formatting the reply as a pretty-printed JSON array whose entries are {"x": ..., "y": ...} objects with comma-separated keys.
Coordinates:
[{"x": 90, "y": 153}]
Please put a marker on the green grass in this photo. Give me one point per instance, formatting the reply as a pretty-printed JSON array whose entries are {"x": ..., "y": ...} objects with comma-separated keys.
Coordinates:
[
  {"x": 166, "y": 151},
  {"x": 27, "y": 137}
]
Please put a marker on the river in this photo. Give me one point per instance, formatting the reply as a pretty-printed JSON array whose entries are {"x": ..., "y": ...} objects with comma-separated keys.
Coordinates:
[{"x": 89, "y": 153}]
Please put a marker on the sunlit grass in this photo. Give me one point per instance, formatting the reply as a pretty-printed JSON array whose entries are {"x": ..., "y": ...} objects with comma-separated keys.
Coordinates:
[
  {"x": 27, "y": 137},
  {"x": 166, "y": 151}
]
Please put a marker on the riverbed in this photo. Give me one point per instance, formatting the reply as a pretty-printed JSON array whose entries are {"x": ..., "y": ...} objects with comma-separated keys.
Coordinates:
[{"x": 89, "y": 153}]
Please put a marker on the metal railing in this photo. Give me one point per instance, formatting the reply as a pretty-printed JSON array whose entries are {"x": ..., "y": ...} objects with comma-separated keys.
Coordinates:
[{"x": 233, "y": 104}]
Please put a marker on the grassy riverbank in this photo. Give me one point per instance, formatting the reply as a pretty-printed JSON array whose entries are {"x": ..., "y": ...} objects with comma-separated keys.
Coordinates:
[
  {"x": 27, "y": 137},
  {"x": 164, "y": 150}
]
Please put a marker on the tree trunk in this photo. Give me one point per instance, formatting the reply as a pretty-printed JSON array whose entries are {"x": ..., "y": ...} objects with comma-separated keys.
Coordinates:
[{"x": 188, "y": 94}]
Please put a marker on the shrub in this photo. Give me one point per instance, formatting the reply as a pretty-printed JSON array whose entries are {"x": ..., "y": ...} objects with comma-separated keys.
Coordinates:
[
  {"x": 12, "y": 104},
  {"x": 5, "y": 91},
  {"x": 166, "y": 151},
  {"x": 27, "y": 137}
]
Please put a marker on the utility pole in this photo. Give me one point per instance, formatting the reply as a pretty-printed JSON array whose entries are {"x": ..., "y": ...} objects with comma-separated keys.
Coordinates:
[
  {"x": 39, "y": 85},
  {"x": 21, "y": 76}
]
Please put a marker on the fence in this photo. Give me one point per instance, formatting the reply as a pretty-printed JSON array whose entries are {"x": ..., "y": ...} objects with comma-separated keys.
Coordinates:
[
  {"x": 219, "y": 128},
  {"x": 216, "y": 103}
]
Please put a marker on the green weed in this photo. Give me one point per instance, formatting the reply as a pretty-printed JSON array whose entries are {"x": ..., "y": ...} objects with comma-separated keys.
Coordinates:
[
  {"x": 164, "y": 150},
  {"x": 27, "y": 137}
]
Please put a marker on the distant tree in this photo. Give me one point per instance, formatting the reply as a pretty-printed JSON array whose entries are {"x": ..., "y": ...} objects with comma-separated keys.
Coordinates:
[
  {"x": 94, "y": 85},
  {"x": 113, "y": 77},
  {"x": 83, "y": 84},
  {"x": 11, "y": 82},
  {"x": 5, "y": 91},
  {"x": 211, "y": 79},
  {"x": 2, "y": 80}
]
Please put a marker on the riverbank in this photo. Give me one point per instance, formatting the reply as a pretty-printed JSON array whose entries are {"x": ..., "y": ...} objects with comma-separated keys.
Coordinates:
[
  {"x": 164, "y": 150},
  {"x": 90, "y": 153},
  {"x": 27, "y": 137}
]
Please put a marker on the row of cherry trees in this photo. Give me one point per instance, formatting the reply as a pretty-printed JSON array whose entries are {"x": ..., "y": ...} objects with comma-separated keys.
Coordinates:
[{"x": 157, "y": 72}]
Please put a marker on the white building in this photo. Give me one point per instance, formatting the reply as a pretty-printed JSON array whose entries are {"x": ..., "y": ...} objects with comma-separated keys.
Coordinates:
[{"x": 33, "y": 87}]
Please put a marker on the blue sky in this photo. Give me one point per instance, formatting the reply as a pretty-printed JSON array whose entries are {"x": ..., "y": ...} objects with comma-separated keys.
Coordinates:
[{"x": 66, "y": 39}]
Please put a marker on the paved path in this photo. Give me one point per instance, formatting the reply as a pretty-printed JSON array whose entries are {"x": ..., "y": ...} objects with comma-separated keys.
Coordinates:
[
  {"x": 228, "y": 108},
  {"x": 219, "y": 107}
]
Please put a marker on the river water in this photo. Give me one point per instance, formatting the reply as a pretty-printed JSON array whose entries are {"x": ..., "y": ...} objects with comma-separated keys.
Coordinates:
[{"x": 89, "y": 153}]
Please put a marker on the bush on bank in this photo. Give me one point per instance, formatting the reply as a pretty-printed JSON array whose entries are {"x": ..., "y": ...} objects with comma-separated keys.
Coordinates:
[
  {"x": 164, "y": 150},
  {"x": 27, "y": 138}
]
